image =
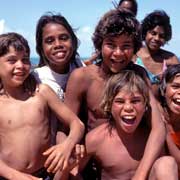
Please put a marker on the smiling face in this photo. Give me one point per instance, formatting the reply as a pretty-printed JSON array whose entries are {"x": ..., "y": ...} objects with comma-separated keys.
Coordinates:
[
  {"x": 117, "y": 52},
  {"x": 14, "y": 68},
  {"x": 57, "y": 47},
  {"x": 172, "y": 95},
  {"x": 155, "y": 38},
  {"x": 127, "y": 110}
]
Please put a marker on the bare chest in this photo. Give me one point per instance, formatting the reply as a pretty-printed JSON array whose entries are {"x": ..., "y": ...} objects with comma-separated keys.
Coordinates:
[{"x": 18, "y": 114}]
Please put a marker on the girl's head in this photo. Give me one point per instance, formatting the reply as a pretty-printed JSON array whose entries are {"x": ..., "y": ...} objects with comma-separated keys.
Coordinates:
[
  {"x": 55, "y": 40},
  {"x": 157, "y": 18},
  {"x": 15, "y": 62},
  {"x": 125, "y": 99},
  {"x": 115, "y": 23},
  {"x": 18, "y": 42},
  {"x": 129, "y": 4},
  {"x": 170, "y": 89}
]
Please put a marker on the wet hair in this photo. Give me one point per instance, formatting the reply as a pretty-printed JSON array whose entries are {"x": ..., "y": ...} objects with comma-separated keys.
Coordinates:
[
  {"x": 117, "y": 22},
  {"x": 19, "y": 43},
  {"x": 168, "y": 76},
  {"x": 134, "y": 5},
  {"x": 157, "y": 18},
  {"x": 57, "y": 19},
  {"x": 126, "y": 79},
  {"x": 15, "y": 40}
]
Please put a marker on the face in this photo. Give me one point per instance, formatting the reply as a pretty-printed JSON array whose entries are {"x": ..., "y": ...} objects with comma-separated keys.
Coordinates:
[
  {"x": 117, "y": 52},
  {"x": 172, "y": 95},
  {"x": 57, "y": 46},
  {"x": 14, "y": 68},
  {"x": 127, "y": 110},
  {"x": 155, "y": 38}
]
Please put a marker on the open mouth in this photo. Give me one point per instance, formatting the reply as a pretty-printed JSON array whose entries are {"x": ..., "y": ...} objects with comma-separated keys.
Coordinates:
[
  {"x": 176, "y": 101},
  {"x": 129, "y": 119},
  {"x": 60, "y": 54},
  {"x": 117, "y": 61}
]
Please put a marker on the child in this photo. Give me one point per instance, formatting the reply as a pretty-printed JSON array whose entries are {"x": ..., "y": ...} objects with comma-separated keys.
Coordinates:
[
  {"x": 117, "y": 38},
  {"x": 170, "y": 90},
  {"x": 156, "y": 31},
  {"x": 56, "y": 44},
  {"x": 118, "y": 145},
  {"x": 24, "y": 127}
]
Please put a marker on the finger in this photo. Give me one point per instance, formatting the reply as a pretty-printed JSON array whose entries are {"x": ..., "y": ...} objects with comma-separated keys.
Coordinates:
[
  {"x": 49, "y": 160},
  {"x": 58, "y": 166},
  {"x": 53, "y": 164},
  {"x": 83, "y": 151},
  {"x": 48, "y": 151}
]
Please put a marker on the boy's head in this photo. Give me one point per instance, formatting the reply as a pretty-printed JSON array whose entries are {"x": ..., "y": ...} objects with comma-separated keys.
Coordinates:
[
  {"x": 114, "y": 23},
  {"x": 15, "y": 40},
  {"x": 55, "y": 19},
  {"x": 124, "y": 87},
  {"x": 170, "y": 88},
  {"x": 157, "y": 18},
  {"x": 129, "y": 4}
]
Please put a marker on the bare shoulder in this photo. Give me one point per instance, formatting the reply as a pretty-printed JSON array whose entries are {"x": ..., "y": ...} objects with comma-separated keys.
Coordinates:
[
  {"x": 96, "y": 137},
  {"x": 170, "y": 57}
]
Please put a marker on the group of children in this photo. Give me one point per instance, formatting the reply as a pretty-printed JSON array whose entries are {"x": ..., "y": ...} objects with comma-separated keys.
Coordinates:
[{"x": 129, "y": 133}]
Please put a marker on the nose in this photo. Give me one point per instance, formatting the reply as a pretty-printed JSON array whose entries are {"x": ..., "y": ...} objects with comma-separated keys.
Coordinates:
[
  {"x": 19, "y": 64},
  {"x": 58, "y": 44},
  {"x": 118, "y": 52},
  {"x": 157, "y": 37},
  {"x": 128, "y": 107}
]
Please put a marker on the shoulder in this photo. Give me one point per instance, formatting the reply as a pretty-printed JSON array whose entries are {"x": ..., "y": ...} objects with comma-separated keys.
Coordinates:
[
  {"x": 96, "y": 137},
  {"x": 84, "y": 73},
  {"x": 169, "y": 57}
]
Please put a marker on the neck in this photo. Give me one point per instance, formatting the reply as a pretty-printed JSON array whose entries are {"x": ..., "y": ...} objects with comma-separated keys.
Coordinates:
[
  {"x": 17, "y": 93},
  {"x": 60, "y": 69},
  {"x": 174, "y": 119}
]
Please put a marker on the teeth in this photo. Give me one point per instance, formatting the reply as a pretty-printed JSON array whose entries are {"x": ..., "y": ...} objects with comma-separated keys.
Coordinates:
[
  {"x": 128, "y": 117},
  {"x": 177, "y": 100}
]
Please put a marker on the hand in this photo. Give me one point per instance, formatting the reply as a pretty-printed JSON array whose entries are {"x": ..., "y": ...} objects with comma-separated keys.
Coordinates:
[
  {"x": 58, "y": 157},
  {"x": 79, "y": 152}
]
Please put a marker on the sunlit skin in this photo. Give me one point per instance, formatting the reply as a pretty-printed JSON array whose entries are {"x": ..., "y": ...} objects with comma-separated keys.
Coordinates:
[
  {"x": 117, "y": 52},
  {"x": 172, "y": 96},
  {"x": 57, "y": 47},
  {"x": 155, "y": 38},
  {"x": 127, "y": 110}
]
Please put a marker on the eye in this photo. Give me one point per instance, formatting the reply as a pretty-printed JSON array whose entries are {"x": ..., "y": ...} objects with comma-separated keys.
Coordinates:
[
  {"x": 136, "y": 101},
  {"x": 26, "y": 60},
  {"x": 11, "y": 60},
  {"x": 49, "y": 40},
  {"x": 64, "y": 37},
  {"x": 127, "y": 47},
  {"x": 119, "y": 101}
]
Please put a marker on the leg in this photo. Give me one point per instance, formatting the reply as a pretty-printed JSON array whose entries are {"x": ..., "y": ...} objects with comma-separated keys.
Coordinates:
[{"x": 164, "y": 168}]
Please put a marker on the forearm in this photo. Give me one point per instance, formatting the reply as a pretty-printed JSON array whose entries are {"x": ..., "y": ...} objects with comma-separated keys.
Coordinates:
[
  {"x": 76, "y": 133},
  {"x": 6, "y": 171},
  {"x": 154, "y": 144}
]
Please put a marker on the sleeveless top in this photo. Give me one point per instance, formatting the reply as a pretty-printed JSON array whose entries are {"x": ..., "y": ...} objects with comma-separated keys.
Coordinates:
[{"x": 153, "y": 78}]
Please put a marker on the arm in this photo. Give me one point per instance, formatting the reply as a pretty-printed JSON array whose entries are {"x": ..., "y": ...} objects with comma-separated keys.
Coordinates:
[
  {"x": 58, "y": 155},
  {"x": 12, "y": 174},
  {"x": 173, "y": 149},
  {"x": 155, "y": 142}
]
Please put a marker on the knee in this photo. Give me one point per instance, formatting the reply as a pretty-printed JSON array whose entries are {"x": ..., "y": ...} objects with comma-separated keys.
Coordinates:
[{"x": 165, "y": 165}]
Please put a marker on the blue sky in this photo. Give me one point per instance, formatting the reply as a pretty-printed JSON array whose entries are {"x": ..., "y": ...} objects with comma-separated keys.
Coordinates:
[{"x": 22, "y": 16}]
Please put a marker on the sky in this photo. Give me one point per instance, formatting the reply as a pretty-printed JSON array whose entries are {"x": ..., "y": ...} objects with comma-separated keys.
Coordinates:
[{"x": 83, "y": 15}]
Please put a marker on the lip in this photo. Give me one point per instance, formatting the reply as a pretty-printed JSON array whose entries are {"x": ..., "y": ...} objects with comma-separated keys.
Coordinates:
[{"x": 117, "y": 61}]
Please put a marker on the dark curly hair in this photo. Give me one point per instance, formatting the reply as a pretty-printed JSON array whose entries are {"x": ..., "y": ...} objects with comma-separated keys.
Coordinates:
[
  {"x": 117, "y": 22},
  {"x": 58, "y": 19},
  {"x": 157, "y": 18}
]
